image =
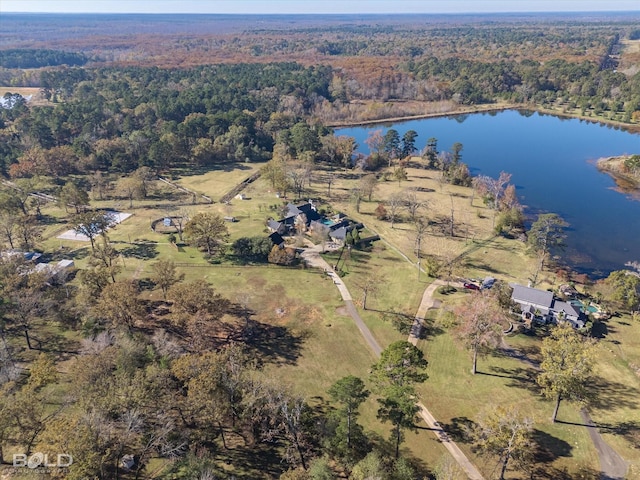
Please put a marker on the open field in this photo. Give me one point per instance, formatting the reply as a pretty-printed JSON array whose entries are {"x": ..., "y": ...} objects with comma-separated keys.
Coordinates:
[
  {"x": 34, "y": 94},
  {"x": 217, "y": 182},
  {"x": 456, "y": 398},
  {"x": 321, "y": 344}
]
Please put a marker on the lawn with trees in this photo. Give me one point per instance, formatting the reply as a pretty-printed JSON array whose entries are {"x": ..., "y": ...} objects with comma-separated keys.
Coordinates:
[{"x": 185, "y": 340}]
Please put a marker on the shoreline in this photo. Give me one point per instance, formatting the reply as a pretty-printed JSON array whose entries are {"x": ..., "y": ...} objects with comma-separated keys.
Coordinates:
[
  {"x": 406, "y": 118},
  {"x": 630, "y": 127},
  {"x": 625, "y": 183}
]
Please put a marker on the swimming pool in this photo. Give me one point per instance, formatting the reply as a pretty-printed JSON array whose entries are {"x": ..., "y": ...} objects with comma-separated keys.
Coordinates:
[{"x": 581, "y": 306}]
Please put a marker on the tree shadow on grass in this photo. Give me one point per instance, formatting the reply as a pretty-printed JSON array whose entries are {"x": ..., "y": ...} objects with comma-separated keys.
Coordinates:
[
  {"x": 600, "y": 330},
  {"x": 66, "y": 253},
  {"x": 386, "y": 447},
  {"x": 629, "y": 430},
  {"x": 519, "y": 377},
  {"x": 258, "y": 460},
  {"x": 51, "y": 340},
  {"x": 548, "y": 448},
  {"x": 485, "y": 267},
  {"x": 547, "y": 472},
  {"x": 146, "y": 284},
  {"x": 142, "y": 251},
  {"x": 460, "y": 429},
  {"x": 270, "y": 343},
  {"x": 608, "y": 394},
  {"x": 545, "y": 450},
  {"x": 529, "y": 355},
  {"x": 405, "y": 324}
]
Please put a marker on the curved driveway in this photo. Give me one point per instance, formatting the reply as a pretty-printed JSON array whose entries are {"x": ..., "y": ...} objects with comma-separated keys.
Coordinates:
[
  {"x": 312, "y": 257},
  {"x": 612, "y": 465}
]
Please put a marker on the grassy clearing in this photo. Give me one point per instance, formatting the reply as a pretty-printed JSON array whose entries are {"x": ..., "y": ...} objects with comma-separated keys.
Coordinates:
[
  {"x": 323, "y": 345},
  {"x": 482, "y": 253},
  {"x": 616, "y": 407},
  {"x": 456, "y": 397},
  {"x": 34, "y": 92}
]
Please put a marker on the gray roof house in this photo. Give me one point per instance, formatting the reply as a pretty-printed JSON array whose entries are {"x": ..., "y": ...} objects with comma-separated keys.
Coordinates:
[
  {"x": 541, "y": 304},
  {"x": 275, "y": 226},
  {"x": 339, "y": 234}
]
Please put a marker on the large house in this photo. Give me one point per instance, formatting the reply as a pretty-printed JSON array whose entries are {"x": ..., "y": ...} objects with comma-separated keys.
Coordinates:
[
  {"x": 336, "y": 227},
  {"x": 286, "y": 224},
  {"x": 542, "y": 306}
]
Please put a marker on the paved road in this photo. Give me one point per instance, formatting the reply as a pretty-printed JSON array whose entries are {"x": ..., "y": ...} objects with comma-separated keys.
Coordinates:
[
  {"x": 312, "y": 257},
  {"x": 426, "y": 303},
  {"x": 612, "y": 465}
]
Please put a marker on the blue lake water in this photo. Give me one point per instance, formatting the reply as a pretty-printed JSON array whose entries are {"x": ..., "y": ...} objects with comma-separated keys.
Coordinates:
[{"x": 551, "y": 160}]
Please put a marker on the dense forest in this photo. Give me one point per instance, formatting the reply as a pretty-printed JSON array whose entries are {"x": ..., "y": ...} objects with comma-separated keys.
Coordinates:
[
  {"x": 332, "y": 74},
  {"x": 31, "y": 58},
  {"x": 162, "y": 117},
  {"x": 122, "y": 118}
]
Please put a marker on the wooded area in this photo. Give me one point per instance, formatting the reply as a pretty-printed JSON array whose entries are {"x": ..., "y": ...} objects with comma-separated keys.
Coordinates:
[{"x": 188, "y": 384}]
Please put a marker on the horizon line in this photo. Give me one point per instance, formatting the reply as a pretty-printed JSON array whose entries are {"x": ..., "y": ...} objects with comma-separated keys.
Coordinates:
[{"x": 325, "y": 13}]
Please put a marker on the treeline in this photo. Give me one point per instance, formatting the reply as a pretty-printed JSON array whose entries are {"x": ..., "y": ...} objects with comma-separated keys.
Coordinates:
[
  {"x": 467, "y": 41},
  {"x": 37, "y": 58},
  {"x": 581, "y": 85},
  {"x": 120, "y": 119}
]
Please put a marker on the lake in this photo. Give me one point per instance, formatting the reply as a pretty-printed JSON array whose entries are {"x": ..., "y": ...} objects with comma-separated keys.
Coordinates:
[{"x": 552, "y": 162}]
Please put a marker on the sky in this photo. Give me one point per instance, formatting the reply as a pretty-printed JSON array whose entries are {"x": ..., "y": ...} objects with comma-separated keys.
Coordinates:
[{"x": 314, "y": 6}]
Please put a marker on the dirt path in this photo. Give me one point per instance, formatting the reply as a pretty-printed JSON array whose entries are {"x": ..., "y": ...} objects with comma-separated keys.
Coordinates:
[
  {"x": 312, "y": 257},
  {"x": 427, "y": 303},
  {"x": 612, "y": 465}
]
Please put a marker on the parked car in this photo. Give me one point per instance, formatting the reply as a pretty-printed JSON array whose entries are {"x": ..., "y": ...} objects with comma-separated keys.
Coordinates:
[
  {"x": 470, "y": 286},
  {"x": 487, "y": 283}
]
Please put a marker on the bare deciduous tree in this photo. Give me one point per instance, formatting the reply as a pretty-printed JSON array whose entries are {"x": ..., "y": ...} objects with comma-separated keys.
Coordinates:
[
  {"x": 482, "y": 320},
  {"x": 395, "y": 203}
]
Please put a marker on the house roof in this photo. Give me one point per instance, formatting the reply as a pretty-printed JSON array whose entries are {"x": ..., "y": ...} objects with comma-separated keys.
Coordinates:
[
  {"x": 309, "y": 210},
  {"x": 568, "y": 309},
  {"x": 339, "y": 233},
  {"x": 62, "y": 264},
  {"x": 533, "y": 296},
  {"x": 276, "y": 238},
  {"x": 336, "y": 226},
  {"x": 274, "y": 224},
  {"x": 291, "y": 211}
]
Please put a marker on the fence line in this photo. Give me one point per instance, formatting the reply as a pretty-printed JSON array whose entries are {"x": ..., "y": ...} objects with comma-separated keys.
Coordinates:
[{"x": 227, "y": 265}]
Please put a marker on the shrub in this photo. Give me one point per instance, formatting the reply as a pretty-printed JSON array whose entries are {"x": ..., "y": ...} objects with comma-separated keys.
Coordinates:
[
  {"x": 252, "y": 249},
  {"x": 447, "y": 289},
  {"x": 431, "y": 266},
  {"x": 282, "y": 256},
  {"x": 380, "y": 212}
]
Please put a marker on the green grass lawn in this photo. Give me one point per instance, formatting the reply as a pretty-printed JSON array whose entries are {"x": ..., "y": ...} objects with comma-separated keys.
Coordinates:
[
  {"x": 322, "y": 344},
  {"x": 456, "y": 398},
  {"x": 218, "y": 182}
]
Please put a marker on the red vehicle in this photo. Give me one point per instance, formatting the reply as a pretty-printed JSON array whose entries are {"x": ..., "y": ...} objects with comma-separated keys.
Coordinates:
[{"x": 470, "y": 286}]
